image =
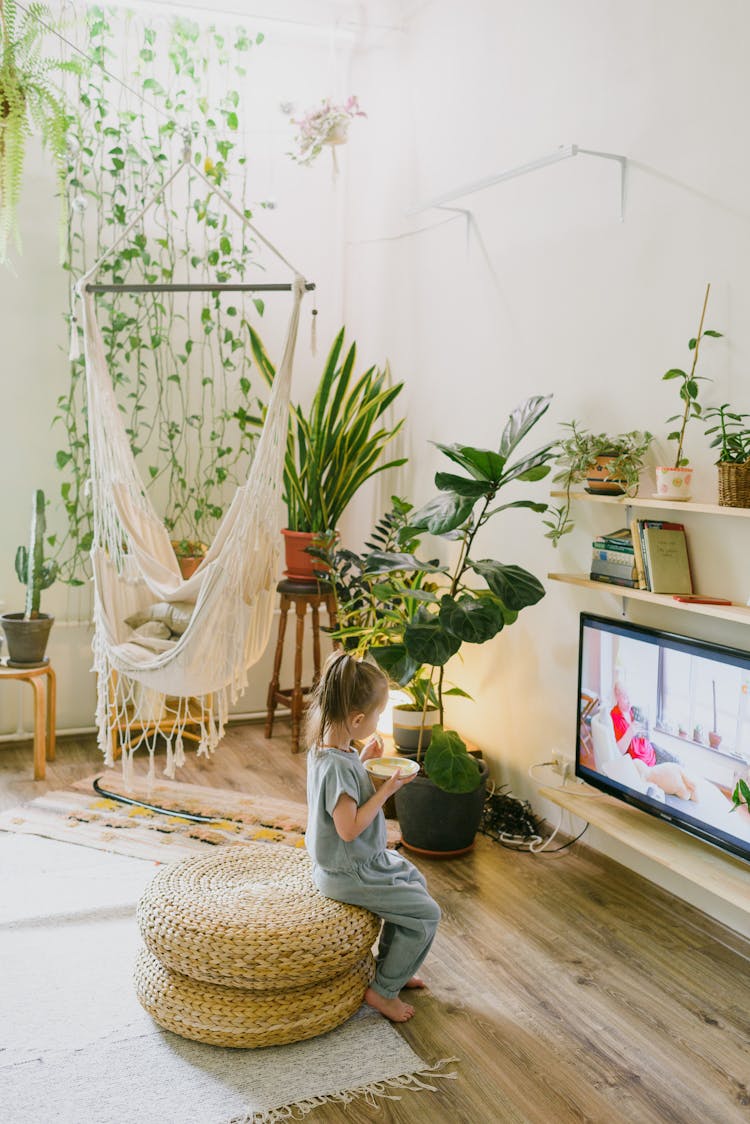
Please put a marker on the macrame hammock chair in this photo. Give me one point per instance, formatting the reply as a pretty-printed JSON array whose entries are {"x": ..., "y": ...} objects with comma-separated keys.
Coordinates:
[{"x": 196, "y": 676}]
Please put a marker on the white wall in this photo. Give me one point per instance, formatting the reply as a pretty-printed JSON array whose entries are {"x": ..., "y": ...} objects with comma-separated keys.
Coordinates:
[{"x": 552, "y": 294}]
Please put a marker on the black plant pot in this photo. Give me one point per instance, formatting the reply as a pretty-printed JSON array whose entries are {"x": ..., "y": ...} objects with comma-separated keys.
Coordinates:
[
  {"x": 438, "y": 823},
  {"x": 27, "y": 639}
]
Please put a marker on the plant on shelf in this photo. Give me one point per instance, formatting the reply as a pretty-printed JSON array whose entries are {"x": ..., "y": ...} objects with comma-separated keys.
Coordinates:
[
  {"x": 673, "y": 481},
  {"x": 28, "y": 102},
  {"x": 325, "y": 126},
  {"x": 741, "y": 795},
  {"x": 610, "y": 464},
  {"x": 730, "y": 434},
  {"x": 27, "y": 633},
  {"x": 432, "y": 620},
  {"x": 333, "y": 447}
]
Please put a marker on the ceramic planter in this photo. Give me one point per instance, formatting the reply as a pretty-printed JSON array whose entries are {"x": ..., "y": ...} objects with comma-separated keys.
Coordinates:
[
  {"x": 598, "y": 480},
  {"x": 437, "y": 823},
  {"x": 673, "y": 483},
  {"x": 26, "y": 639},
  {"x": 408, "y": 723},
  {"x": 301, "y": 566}
]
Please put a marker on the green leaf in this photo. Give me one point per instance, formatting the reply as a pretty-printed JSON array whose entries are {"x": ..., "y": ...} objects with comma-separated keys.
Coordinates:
[
  {"x": 448, "y": 763},
  {"x": 520, "y": 422},
  {"x": 536, "y": 473},
  {"x": 461, "y": 485},
  {"x": 716, "y": 335},
  {"x": 692, "y": 388},
  {"x": 483, "y": 464},
  {"x": 473, "y": 619},
  {"x": 153, "y": 471},
  {"x": 62, "y": 458},
  {"x": 458, "y": 693},
  {"x": 515, "y": 587},
  {"x": 442, "y": 514},
  {"x": 674, "y": 373},
  {"x": 383, "y": 561},
  {"x": 428, "y": 641},
  {"x": 691, "y": 344},
  {"x": 396, "y": 662}
]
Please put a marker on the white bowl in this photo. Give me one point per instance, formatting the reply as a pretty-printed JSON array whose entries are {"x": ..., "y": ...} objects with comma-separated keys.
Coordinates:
[{"x": 380, "y": 768}]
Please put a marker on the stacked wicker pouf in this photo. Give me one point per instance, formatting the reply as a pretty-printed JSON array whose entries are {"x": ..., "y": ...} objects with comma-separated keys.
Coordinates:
[{"x": 242, "y": 950}]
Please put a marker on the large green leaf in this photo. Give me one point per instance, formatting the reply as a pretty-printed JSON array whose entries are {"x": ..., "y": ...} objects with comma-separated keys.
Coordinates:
[
  {"x": 448, "y": 763},
  {"x": 473, "y": 618},
  {"x": 428, "y": 641},
  {"x": 442, "y": 514},
  {"x": 520, "y": 422},
  {"x": 515, "y": 587},
  {"x": 396, "y": 663},
  {"x": 384, "y": 561},
  {"x": 483, "y": 464},
  {"x": 461, "y": 485}
]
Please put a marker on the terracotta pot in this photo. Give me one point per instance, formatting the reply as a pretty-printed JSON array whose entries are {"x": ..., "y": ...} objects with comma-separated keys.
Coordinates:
[
  {"x": 714, "y": 740},
  {"x": 189, "y": 560},
  {"x": 301, "y": 566},
  {"x": 673, "y": 483},
  {"x": 598, "y": 480}
]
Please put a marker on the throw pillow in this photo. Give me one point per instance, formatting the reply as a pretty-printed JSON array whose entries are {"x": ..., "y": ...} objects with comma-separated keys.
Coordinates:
[{"x": 175, "y": 615}]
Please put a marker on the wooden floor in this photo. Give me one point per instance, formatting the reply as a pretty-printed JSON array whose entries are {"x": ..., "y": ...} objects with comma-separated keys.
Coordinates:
[{"x": 569, "y": 988}]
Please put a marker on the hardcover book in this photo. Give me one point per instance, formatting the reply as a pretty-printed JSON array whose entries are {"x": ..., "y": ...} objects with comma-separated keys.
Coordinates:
[{"x": 666, "y": 558}]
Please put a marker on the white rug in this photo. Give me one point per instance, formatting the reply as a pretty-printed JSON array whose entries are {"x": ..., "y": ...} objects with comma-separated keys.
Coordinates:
[{"x": 77, "y": 1048}]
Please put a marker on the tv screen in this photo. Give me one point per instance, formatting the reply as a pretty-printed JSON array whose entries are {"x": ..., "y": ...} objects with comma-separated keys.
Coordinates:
[{"x": 664, "y": 724}]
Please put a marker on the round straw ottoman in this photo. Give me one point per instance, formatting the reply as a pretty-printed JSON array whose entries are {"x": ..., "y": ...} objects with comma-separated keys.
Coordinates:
[{"x": 243, "y": 950}]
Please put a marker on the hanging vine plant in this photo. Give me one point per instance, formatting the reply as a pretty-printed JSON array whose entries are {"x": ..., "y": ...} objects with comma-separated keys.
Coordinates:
[
  {"x": 180, "y": 364},
  {"x": 28, "y": 102}
]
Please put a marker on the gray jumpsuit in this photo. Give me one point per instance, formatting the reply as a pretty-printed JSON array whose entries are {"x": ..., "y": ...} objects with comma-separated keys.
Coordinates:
[{"x": 362, "y": 872}]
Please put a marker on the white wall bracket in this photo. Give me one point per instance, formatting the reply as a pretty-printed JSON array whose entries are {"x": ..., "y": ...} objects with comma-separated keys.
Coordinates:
[{"x": 564, "y": 152}]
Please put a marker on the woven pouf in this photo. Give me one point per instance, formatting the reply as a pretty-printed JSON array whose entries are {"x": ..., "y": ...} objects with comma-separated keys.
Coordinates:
[
  {"x": 232, "y": 1016},
  {"x": 250, "y": 916}
]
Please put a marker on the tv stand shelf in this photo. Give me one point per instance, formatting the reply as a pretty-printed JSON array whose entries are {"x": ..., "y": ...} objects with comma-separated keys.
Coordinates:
[{"x": 718, "y": 873}]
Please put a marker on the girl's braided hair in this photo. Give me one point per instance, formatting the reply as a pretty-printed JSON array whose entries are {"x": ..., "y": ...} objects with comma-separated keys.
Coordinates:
[{"x": 347, "y": 686}]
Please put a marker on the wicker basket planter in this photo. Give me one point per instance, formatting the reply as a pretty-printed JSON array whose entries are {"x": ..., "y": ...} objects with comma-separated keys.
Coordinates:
[{"x": 734, "y": 484}]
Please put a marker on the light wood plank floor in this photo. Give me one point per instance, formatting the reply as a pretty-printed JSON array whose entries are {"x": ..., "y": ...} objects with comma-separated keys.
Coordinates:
[{"x": 570, "y": 988}]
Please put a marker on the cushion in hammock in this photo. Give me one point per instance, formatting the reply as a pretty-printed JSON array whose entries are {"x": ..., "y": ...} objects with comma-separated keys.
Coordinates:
[
  {"x": 175, "y": 615},
  {"x": 250, "y": 916},
  {"x": 233, "y": 1016},
  {"x": 153, "y": 635}
]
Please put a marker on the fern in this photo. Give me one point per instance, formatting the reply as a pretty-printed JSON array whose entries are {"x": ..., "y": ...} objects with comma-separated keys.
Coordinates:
[{"x": 28, "y": 101}]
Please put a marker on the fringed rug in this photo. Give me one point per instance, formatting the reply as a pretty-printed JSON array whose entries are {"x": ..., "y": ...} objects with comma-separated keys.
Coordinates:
[
  {"x": 80, "y": 815},
  {"x": 75, "y": 1046}
]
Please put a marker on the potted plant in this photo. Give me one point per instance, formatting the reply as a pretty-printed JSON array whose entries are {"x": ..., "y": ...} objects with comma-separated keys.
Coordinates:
[
  {"x": 731, "y": 436},
  {"x": 673, "y": 481},
  {"x": 333, "y": 447},
  {"x": 325, "y": 126},
  {"x": 27, "y": 633},
  {"x": 440, "y": 810},
  {"x": 27, "y": 101},
  {"x": 610, "y": 465},
  {"x": 190, "y": 553}
]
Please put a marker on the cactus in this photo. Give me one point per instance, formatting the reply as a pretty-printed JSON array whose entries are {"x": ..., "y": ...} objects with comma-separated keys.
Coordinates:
[{"x": 32, "y": 570}]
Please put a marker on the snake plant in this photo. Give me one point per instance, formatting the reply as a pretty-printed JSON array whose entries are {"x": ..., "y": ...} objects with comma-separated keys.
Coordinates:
[{"x": 336, "y": 445}]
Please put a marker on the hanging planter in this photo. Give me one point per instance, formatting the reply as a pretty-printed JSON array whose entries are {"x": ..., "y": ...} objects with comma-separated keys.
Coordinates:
[
  {"x": 28, "y": 102},
  {"x": 324, "y": 127}
]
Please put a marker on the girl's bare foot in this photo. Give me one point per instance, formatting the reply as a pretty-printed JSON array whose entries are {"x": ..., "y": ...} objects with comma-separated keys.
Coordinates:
[
  {"x": 415, "y": 981},
  {"x": 394, "y": 1009}
]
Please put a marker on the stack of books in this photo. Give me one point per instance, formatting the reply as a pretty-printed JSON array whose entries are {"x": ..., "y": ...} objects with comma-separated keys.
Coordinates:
[
  {"x": 613, "y": 559},
  {"x": 661, "y": 556}
]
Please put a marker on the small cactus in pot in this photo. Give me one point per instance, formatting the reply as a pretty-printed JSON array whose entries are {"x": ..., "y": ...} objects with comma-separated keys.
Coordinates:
[{"x": 27, "y": 633}]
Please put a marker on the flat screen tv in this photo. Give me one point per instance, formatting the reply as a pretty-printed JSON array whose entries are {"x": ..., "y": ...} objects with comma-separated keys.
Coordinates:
[{"x": 664, "y": 724}]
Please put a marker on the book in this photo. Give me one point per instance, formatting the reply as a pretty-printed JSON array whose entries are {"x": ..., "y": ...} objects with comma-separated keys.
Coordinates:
[
  {"x": 615, "y": 569},
  {"x": 666, "y": 557},
  {"x": 621, "y": 536},
  {"x": 608, "y": 579},
  {"x": 637, "y": 554},
  {"x": 609, "y": 544},
  {"x": 625, "y": 557}
]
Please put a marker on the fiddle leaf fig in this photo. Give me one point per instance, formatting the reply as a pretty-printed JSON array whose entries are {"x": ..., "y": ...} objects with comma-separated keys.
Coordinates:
[
  {"x": 448, "y": 764},
  {"x": 515, "y": 587},
  {"x": 473, "y": 618}
]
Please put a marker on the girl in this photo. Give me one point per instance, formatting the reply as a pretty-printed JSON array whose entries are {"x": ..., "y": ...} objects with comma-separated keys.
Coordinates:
[{"x": 346, "y": 835}]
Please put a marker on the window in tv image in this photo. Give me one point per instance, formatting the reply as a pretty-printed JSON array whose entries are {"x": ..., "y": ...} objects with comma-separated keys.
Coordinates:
[{"x": 666, "y": 720}]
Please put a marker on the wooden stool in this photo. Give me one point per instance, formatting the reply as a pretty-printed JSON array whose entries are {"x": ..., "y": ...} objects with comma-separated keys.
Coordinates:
[
  {"x": 299, "y": 594},
  {"x": 43, "y": 682}
]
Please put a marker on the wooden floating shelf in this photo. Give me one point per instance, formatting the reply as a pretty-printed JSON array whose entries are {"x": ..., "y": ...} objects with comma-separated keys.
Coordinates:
[
  {"x": 677, "y": 507},
  {"x": 738, "y": 613},
  {"x": 701, "y": 863}
]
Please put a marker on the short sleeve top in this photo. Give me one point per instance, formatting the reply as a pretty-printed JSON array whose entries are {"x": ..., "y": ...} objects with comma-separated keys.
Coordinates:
[{"x": 332, "y": 773}]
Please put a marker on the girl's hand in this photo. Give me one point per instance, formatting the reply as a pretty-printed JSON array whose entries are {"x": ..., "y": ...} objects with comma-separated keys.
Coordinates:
[
  {"x": 372, "y": 748},
  {"x": 396, "y": 781}
]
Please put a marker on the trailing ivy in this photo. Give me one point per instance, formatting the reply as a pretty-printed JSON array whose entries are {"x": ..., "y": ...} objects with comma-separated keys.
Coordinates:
[{"x": 178, "y": 362}]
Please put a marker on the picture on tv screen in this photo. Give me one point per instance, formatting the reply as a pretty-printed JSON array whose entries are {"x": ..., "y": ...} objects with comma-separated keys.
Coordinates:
[{"x": 664, "y": 723}]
